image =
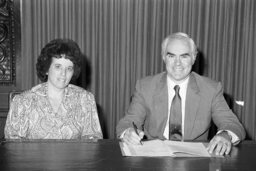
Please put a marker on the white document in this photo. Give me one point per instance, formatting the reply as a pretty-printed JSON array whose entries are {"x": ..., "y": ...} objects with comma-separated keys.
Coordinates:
[{"x": 155, "y": 148}]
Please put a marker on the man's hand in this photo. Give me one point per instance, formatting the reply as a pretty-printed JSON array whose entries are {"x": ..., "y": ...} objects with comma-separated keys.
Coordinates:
[
  {"x": 220, "y": 143},
  {"x": 130, "y": 136}
]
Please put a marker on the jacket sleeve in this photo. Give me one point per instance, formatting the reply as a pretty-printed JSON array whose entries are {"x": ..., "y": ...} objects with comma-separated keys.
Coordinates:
[
  {"x": 136, "y": 112},
  {"x": 223, "y": 117}
]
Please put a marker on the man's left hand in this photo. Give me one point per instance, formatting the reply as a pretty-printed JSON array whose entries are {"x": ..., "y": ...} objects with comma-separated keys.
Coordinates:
[{"x": 220, "y": 143}]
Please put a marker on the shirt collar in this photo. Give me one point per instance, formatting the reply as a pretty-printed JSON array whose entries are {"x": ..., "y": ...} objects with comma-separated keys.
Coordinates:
[{"x": 182, "y": 85}]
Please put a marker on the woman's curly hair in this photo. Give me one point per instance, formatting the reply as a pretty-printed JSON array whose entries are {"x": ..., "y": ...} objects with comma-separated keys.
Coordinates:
[{"x": 58, "y": 48}]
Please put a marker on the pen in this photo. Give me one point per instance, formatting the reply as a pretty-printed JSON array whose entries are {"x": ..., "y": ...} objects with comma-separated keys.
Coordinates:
[{"x": 136, "y": 130}]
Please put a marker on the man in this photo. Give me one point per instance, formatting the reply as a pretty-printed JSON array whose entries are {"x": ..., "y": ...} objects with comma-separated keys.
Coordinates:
[{"x": 198, "y": 102}]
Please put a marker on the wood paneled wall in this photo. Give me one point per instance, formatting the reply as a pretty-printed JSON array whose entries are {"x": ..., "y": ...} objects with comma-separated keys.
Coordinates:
[{"x": 13, "y": 30}]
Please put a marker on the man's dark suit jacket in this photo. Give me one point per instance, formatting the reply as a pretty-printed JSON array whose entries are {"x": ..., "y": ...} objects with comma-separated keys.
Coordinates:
[{"x": 204, "y": 103}]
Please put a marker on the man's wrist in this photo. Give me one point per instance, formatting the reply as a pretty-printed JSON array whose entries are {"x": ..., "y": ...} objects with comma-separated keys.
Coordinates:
[
  {"x": 226, "y": 135},
  {"x": 123, "y": 133}
]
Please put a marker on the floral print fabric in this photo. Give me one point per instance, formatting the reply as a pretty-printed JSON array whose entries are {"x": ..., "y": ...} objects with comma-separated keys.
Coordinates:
[{"x": 31, "y": 115}]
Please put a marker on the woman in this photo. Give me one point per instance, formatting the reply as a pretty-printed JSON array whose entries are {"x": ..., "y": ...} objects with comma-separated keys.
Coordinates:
[{"x": 55, "y": 109}]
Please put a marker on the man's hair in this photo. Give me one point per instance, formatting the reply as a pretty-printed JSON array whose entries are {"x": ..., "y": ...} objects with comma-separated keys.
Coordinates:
[
  {"x": 58, "y": 48},
  {"x": 178, "y": 36}
]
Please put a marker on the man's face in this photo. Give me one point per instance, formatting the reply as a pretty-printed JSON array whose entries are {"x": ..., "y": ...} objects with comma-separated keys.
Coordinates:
[{"x": 178, "y": 60}]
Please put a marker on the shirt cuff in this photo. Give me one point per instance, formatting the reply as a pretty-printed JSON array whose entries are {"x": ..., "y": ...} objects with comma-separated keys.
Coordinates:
[
  {"x": 122, "y": 135},
  {"x": 234, "y": 138}
]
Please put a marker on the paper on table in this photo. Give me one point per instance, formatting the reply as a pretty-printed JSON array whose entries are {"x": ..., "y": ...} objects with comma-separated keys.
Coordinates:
[
  {"x": 156, "y": 148},
  {"x": 149, "y": 148},
  {"x": 194, "y": 149}
]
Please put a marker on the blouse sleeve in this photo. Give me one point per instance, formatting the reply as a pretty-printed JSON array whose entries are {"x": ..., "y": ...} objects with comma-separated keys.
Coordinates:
[
  {"x": 16, "y": 123},
  {"x": 90, "y": 121}
]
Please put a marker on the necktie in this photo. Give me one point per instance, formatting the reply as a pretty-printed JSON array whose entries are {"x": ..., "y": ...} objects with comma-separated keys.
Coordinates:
[{"x": 175, "y": 119}]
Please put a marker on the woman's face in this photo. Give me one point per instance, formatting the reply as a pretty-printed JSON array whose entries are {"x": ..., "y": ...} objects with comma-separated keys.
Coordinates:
[{"x": 60, "y": 72}]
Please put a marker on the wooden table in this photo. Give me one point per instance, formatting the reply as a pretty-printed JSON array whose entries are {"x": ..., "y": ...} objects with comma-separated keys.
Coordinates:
[{"x": 106, "y": 155}]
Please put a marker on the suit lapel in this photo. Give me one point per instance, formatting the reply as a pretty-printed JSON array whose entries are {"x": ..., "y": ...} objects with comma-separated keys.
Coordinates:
[
  {"x": 160, "y": 103},
  {"x": 192, "y": 104}
]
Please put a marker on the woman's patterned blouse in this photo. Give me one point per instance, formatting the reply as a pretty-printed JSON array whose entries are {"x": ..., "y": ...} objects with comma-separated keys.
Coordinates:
[{"x": 31, "y": 115}]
